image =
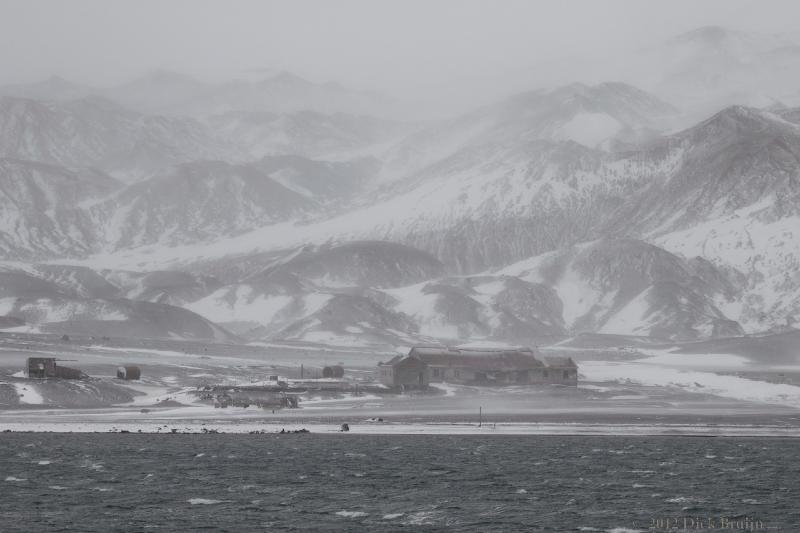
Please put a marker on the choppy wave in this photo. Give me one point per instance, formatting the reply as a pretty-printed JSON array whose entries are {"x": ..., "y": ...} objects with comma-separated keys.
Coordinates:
[{"x": 387, "y": 483}]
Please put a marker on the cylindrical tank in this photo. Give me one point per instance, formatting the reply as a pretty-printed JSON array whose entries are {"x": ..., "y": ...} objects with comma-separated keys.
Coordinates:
[{"x": 129, "y": 372}]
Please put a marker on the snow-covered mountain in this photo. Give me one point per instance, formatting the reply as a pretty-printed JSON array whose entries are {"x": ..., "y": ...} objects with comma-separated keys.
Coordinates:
[
  {"x": 378, "y": 292},
  {"x": 99, "y": 133},
  {"x": 597, "y": 116},
  {"x": 164, "y": 92},
  {"x": 278, "y": 216},
  {"x": 197, "y": 201},
  {"x": 502, "y": 206},
  {"x": 306, "y": 133},
  {"x": 628, "y": 287},
  {"x": 712, "y": 67},
  {"x": 43, "y": 208},
  {"x": 318, "y": 291},
  {"x": 286, "y": 93},
  {"x": 42, "y": 299},
  {"x": 53, "y": 89}
]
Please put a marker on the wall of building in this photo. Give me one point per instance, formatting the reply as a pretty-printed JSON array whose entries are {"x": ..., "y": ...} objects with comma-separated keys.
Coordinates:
[
  {"x": 386, "y": 375},
  {"x": 563, "y": 375},
  {"x": 543, "y": 375},
  {"x": 407, "y": 373}
]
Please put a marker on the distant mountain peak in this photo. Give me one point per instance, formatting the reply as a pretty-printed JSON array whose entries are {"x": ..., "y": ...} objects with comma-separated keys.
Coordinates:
[
  {"x": 288, "y": 78},
  {"x": 164, "y": 75},
  {"x": 58, "y": 81},
  {"x": 707, "y": 34},
  {"x": 739, "y": 116}
]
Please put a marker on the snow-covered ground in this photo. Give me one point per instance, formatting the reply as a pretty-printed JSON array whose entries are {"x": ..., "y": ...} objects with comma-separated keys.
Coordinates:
[
  {"x": 630, "y": 393},
  {"x": 705, "y": 374},
  {"x": 443, "y": 428},
  {"x": 28, "y": 394}
]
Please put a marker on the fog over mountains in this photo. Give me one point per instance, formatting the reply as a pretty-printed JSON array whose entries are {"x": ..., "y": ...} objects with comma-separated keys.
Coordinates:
[{"x": 659, "y": 200}]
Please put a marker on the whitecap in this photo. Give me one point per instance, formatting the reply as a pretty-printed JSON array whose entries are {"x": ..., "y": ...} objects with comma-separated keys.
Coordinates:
[
  {"x": 679, "y": 499},
  {"x": 57, "y": 487},
  {"x": 12, "y": 478},
  {"x": 522, "y": 491},
  {"x": 350, "y": 514},
  {"x": 203, "y": 501},
  {"x": 422, "y": 518},
  {"x": 43, "y": 463},
  {"x": 392, "y": 516}
]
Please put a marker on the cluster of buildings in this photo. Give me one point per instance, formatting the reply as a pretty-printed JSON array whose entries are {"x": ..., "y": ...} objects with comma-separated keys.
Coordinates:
[
  {"x": 48, "y": 367},
  {"x": 442, "y": 364}
]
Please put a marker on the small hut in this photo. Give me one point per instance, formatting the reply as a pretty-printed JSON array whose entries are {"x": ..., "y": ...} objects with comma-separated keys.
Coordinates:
[
  {"x": 41, "y": 367},
  {"x": 46, "y": 367},
  {"x": 129, "y": 372}
]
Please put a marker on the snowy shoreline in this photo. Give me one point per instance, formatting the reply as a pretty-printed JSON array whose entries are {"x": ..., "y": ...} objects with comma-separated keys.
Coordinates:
[{"x": 443, "y": 428}]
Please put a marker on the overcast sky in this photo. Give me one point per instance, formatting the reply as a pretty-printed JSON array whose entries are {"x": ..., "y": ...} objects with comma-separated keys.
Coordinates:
[{"x": 371, "y": 44}]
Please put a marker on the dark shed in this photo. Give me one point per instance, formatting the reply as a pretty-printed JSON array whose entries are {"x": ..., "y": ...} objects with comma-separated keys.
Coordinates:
[
  {"x": 41, "y": 367},
  {"x": 46, "y": 367}
]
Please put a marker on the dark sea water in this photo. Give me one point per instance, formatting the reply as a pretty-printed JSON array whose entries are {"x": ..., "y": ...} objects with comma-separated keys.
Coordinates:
[{"x": 312, "y": 482}]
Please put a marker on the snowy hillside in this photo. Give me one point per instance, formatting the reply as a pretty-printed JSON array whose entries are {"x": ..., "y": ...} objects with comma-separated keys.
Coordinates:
[
  {"x": 292, "y": 210},
  {"x": 42, "y": 301},
  {"x": 96, "y": 132}
]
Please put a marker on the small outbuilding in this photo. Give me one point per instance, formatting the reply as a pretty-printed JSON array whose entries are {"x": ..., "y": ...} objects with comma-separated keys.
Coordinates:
[
  {"x": 41, "y": 367},
  {"x": 46, "y": 367},
  {"x": 129, "y": 372}
]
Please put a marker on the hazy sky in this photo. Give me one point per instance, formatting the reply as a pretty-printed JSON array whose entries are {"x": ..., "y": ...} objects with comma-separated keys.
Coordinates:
[{"x": 373, "y": 44}]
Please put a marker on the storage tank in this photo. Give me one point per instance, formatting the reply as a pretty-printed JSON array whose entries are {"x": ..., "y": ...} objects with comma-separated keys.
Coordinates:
[{"x": 129, "y": 372}]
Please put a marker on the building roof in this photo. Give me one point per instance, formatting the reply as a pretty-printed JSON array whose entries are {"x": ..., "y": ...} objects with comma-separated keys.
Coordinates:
[
  {"x": 402, "y": 360},
  {"x": 478, "y": 359},
  {"x": 394, "y": 360}
]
